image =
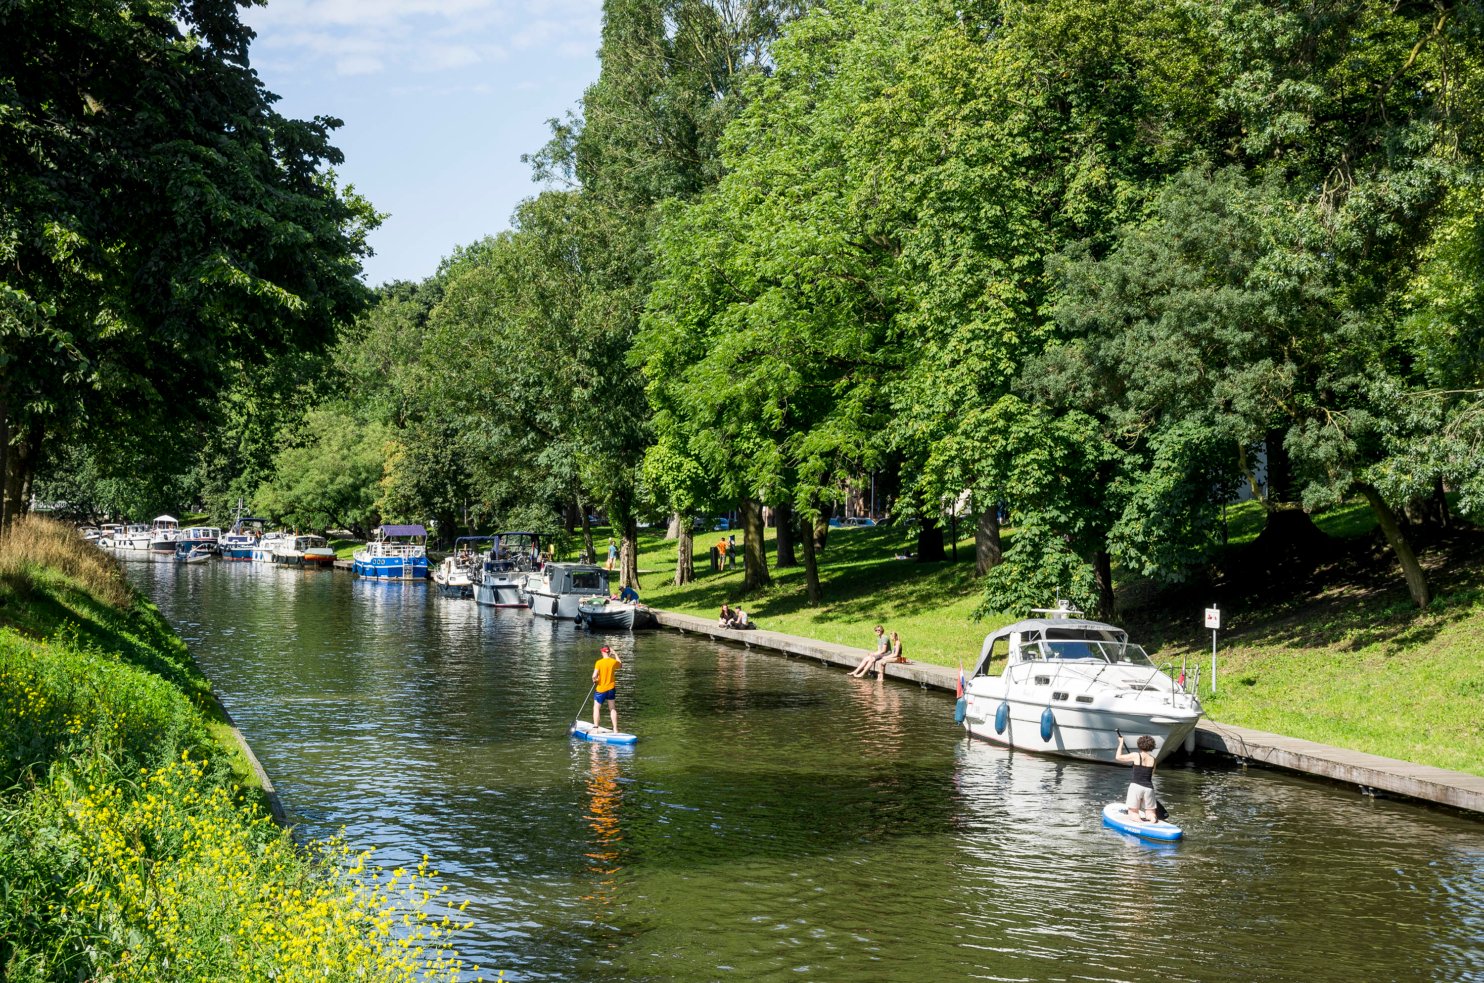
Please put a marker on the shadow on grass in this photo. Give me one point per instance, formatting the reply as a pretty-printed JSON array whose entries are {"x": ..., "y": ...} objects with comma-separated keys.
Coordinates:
[{"x": 861, "y": 581}]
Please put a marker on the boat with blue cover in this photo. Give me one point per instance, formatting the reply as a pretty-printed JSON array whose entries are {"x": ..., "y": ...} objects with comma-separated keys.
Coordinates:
[{"x": 399, "y": 552}]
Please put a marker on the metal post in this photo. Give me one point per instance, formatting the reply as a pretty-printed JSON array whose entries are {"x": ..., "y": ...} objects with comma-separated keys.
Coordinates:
[{"x": 1213, "y": 661}]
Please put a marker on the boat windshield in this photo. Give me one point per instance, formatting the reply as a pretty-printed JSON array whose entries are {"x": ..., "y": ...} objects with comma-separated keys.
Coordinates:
[{"x": 1096, "y": 649}]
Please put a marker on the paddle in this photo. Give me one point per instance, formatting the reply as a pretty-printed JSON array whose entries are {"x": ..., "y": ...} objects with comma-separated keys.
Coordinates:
[{"x": 583, "y": 704}]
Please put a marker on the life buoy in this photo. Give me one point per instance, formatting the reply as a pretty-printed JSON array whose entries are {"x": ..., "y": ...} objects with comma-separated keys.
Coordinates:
[
  {"x": 1048, "y": 724},
  {"x": 1001, "y": 718}
]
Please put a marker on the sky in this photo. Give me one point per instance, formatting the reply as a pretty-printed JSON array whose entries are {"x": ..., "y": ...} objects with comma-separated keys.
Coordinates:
[{"x": 439, "y": 97}]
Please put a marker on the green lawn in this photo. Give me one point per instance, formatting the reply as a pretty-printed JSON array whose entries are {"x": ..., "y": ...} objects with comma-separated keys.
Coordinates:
[{"x": 930, "y": 604}]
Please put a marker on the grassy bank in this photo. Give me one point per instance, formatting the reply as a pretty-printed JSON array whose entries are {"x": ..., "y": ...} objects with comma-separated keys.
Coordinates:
[
  {"x": 1345, "y": 660},
  {"x": 131, "y": 845}
]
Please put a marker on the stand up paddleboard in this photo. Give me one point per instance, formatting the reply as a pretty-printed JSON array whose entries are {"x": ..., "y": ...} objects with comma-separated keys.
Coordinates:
[
  {"x": 601, "y": 735},
  {"x": 1115, "y": 815}
]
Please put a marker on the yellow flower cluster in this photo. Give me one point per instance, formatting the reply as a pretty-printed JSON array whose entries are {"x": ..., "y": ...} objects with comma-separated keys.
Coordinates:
[{"x": 184, "y": 883}]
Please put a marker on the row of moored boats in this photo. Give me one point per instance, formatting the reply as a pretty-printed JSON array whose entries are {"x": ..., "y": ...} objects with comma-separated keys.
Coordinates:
[{"x": 248, "y": 539}]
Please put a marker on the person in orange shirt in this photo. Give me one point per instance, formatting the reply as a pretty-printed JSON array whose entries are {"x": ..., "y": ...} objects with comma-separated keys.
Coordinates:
[{"x": 605, "y": 686}]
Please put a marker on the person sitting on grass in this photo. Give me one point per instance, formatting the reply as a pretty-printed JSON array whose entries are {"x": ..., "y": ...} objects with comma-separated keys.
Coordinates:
[{"x": 882, "y": 653}]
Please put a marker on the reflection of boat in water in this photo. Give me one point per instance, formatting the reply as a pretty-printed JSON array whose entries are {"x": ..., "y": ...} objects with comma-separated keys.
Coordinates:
[
  {"x": 556, "y": 592},
  {"x": 510, "y": 560},
  {"x": 1069, "y": 686}
]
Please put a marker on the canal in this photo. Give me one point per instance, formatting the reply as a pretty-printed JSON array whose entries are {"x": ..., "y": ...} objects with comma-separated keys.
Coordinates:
[{"x": 781, "y": 821}]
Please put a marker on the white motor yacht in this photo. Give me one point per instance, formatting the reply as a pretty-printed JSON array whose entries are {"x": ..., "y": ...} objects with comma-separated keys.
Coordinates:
[
  {"x": 134, "y": 537},
  {"x": 1069, "y": 686},
  {"x": 165, "y": 534},
  {"x": 555, "y": 591}
]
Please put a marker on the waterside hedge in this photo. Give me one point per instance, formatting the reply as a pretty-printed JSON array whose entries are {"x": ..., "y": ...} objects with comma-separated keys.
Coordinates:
[{"x": 130, "y": 847}]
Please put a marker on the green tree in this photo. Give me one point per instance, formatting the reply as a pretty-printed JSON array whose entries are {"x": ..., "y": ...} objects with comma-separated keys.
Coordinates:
[{"x": 159, "y": 222}]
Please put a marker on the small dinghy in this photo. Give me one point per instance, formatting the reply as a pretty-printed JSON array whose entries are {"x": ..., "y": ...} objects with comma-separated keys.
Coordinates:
[
  {"x": 601, "y": 735},
  {"x": 1115, "y": 815}
]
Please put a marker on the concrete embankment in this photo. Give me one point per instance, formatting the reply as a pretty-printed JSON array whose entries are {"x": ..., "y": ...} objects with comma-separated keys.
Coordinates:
[{"x": 1372, "y": 773}]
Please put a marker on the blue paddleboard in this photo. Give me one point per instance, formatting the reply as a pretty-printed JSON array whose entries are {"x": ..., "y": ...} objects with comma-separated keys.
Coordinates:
[
  {"x": 1115, "y": 815},
  {"x": 601, "y": 735}
]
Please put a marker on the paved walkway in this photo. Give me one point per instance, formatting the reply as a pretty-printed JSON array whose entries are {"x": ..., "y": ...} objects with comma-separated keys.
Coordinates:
[{"x": 1369, "y": 771}]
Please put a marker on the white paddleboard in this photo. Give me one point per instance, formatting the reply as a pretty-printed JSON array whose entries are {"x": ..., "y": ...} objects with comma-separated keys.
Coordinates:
[
  {"x": 1115, "y": 815},
  {"x": 601, "y": 735}
]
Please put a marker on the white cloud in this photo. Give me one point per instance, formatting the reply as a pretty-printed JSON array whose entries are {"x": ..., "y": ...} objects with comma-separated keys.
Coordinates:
[{"x": 360, "y": 37}]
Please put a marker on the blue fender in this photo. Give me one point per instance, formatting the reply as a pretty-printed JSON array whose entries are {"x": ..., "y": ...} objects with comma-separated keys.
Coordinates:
[
  {"x": 960, "y": 710},
  {"x": 1001, "y": 718},
  {"x": 1048, "y": 724}
]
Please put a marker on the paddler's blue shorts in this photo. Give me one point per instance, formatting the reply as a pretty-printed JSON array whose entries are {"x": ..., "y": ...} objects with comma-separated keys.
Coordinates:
[{"x": 601, "y": 698}]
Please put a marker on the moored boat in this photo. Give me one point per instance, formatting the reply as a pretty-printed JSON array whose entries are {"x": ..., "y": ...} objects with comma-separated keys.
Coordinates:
[
  {"x": 164, "y": 533},
  {"x": 134, "y": 537},
  {"x": 267, "y": 545},
  {"x": 207, "y": 536},
  {"x": 605, "y": 614},
  {"x": 237, "y": 543},
  {"x": 303, "y": 550},
  {"x": 1069, "y": 686},
  {"x": 397, "y": 553},
  {"x": 511, "y": 559},
  {"x": 557, "y": 589}
]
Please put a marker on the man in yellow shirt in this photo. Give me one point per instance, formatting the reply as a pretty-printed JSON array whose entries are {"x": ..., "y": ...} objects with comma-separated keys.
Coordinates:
[{"x": 605, "y": 686}]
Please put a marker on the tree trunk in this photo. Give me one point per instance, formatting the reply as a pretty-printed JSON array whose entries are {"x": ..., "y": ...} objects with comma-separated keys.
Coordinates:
[
  {"x": 1411, "y": 569},
  {"x": 987, "y": 552},
  {"x": 573, "y": 515},
  {"x": 811, "y": 569},
  {"x": 588, "y": 555},
  {"x": 628, "y": 554},
  {"x": 14, "y": 496},
  {"x": 783, "y": 517},
  {"x": 672, "y": 531},
  {"x": 929, "y": 541},
  {"x": 685, "y": 566},
  {"x": 821, "y": 532},
  {"x": 1102, "y": 568},
  {"x": 4, "y": 462},
  {"x": 754, "y": 556}
]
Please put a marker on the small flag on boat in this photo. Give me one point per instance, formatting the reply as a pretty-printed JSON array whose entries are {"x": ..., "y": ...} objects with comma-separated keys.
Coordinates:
[{"x": 960, "y": 705}]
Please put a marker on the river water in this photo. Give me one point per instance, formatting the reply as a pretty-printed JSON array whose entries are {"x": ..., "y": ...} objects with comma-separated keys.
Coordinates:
[{"x": 780, "y": 821}]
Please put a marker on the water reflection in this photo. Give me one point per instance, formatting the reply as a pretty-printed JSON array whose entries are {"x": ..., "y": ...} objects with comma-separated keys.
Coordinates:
[{"x": 780, "y": 821}]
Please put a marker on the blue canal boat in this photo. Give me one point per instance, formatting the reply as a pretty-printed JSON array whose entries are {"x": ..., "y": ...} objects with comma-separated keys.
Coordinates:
[{"x": 397, "y": 553}]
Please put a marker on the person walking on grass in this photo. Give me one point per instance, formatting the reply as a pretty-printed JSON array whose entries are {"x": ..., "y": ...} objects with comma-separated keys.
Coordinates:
[
  {"x": 605, "y": 686},
  {"x": 882, "y": 653}
]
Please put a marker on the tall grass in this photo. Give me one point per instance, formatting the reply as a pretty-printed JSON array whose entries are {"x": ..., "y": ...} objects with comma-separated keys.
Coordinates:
[
  {"x": 128, "y": 851},
  {"x": 31, "y": 546}
]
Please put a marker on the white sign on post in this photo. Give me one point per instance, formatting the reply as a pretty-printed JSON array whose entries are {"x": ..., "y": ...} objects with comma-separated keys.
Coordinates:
[{"x": 1213, "y": 622}]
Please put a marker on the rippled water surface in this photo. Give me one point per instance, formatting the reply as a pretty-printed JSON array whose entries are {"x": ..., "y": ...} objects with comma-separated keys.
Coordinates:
[{"x": 781, "y": 821}]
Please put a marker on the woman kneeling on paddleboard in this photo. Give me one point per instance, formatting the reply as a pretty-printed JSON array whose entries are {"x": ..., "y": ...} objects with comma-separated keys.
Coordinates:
[
  {"x": 605, "y": 687},
  {"x": 1140, "y": 803}
]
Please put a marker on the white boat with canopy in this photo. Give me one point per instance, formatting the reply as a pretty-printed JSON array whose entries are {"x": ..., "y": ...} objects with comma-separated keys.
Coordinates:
[{"x": 1069, "y": 686}]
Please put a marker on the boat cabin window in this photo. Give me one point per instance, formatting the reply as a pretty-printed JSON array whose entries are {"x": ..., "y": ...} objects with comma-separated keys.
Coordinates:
[
  {"x": 587, "y": 580},
  {"x": 1105, "y": 650}
]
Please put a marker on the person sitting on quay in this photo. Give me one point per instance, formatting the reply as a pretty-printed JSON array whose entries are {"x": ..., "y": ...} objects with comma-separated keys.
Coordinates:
[
  {"x": 728, "y": 618},
  {"x": 882, "y": 653},
  {"x": 894, "y": 655}
]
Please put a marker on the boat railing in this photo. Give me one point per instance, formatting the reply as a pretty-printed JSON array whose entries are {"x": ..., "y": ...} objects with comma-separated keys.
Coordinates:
[{"x": 391, "y": 549}]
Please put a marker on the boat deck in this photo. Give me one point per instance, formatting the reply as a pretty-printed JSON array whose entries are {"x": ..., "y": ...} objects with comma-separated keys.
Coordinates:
[{"x": 1371, "y": 772}]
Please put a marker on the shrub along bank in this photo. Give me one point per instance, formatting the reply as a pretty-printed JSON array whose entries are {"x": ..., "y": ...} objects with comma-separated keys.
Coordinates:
[
  {"x": 1342, "y": 657},
  {"x": 132, "y": 846}
]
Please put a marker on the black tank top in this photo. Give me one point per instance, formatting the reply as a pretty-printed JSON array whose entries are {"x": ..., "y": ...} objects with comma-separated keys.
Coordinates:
[{"x": 1143, "y": 775}]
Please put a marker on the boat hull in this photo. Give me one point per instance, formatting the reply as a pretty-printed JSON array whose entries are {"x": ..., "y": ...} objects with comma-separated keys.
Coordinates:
[
  {"x": 1088, "y": 733},
  {"x": 558, "y": 607},
  {"x": 502, "y": 592},
  {"x": 608, "y": 617},
  {"x": 391, "y": 567}
]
